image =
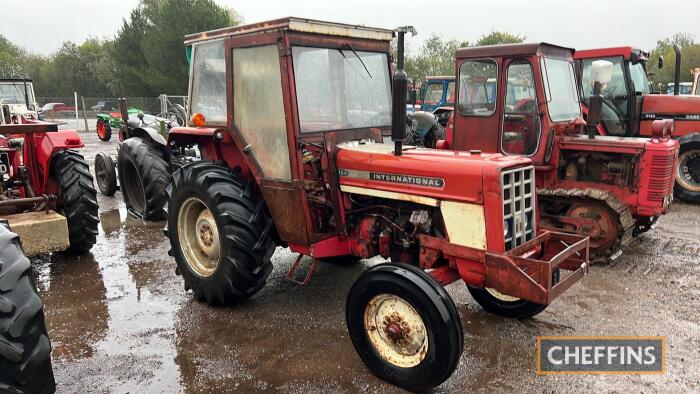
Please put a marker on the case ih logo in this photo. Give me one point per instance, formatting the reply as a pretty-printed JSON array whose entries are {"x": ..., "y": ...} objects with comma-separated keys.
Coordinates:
[{"x": 408, "y": 179}]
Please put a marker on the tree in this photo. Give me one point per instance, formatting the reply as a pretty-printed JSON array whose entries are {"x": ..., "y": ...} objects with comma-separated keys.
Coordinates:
[
  {"x": 500, "y": 37},
  {"x": 10, "y": 60},
  {"x": 149, "y": 50},
  {"x": 690, "y": 58},
  {"x": 436, "y": 57}
]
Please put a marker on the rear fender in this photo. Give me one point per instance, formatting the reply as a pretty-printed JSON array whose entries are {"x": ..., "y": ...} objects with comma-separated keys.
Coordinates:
[
  {"x": 210, "y": 148},
  {"x": 46, "y": 145},
  {"x": 149, "y": 134}
]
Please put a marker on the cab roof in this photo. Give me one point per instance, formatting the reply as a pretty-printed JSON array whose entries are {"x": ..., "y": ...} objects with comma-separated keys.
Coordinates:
[
  {"x": 531, "y": 49},
  {"x": 15, "y": 80},
  {"x": 440, "y": 77},
  {"x": 297, "y": 25},
  {"x": 628, "y": 53}
]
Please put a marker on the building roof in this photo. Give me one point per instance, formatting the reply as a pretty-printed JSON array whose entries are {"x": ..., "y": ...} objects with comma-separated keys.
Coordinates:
[{"x": 299, "y": 25}]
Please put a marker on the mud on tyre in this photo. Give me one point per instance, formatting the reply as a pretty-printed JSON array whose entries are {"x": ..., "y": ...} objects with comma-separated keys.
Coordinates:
[
  {"x": 220, "y": 233},
  {"x": 78, "y": 199},
  {"x": 143, "y": 176},
  {"x": 25, "y": 350}
]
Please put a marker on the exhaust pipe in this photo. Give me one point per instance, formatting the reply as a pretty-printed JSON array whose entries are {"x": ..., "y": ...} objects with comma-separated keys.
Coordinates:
[
  {"x": 677, "y": 75},
  {"x": 399, "y": 88}
]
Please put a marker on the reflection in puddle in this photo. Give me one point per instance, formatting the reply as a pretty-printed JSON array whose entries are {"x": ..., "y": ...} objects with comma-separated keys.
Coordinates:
[{"x": 108, "y": 305}]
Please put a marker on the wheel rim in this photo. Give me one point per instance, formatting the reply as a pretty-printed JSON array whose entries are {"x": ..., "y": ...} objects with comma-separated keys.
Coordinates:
[
  {"x": 500, "y": 296},
  {"x": 199, "y": 237},
  {"x": 101, "y": 172},
  {"x": 688, "y": 170},
  {"x": 607, "y": 223},
  {"x": 101, "y": 130},
  {"x": 134, "y": 188},
  {"x": 396, "y": 330}
]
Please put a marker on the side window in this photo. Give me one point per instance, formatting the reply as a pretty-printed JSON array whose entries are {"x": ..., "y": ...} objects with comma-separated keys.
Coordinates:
[
  {"x": 450, "y": 98},
  {"x": 433, "y": 93},
  {"x": 477, "y": 93},
  {"x": 208, "y": 95},
  {"x": 521, "y": 122},
  {"x": 259, "y": 109}
]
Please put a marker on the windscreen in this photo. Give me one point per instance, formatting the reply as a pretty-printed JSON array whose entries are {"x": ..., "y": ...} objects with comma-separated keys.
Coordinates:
[
  {"x": 560, "y": 89},
  {"x": 341, "y": 89},
  {"x": 13, "y": 93}
]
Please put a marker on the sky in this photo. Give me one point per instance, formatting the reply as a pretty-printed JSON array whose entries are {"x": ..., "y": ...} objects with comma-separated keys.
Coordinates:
[{"x": 43, "y": 25}]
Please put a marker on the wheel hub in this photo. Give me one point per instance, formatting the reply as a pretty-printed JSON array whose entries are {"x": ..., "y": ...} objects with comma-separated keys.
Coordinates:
[
  {"x": 199, "y": 237},
  {"x": 688, "y": 170},
  {"x": 396, "y": 330},
  {"x": 597, "y": 222}
]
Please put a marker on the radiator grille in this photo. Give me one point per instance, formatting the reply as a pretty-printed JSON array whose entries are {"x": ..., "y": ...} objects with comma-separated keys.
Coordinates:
[
  {"x": 518, "y": 196},
  {"x": 661, "y": 179}
]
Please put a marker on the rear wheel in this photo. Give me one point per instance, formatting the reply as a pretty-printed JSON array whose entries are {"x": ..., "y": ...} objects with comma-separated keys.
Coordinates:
[
  {"x": 404, "y": 326},
  {"x": 220, "y": 233},
  {"x": 106, "y": 174},
  {"x": 25, "y": 350},
  {"x": 77, "y": 200},
  {"x": 143, "y": 176},
  {"x": 687, "y": 186},
  {"x": 104, "y": 130}
]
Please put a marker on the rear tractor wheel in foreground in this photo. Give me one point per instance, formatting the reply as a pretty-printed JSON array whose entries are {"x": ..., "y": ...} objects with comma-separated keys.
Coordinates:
[
  {"x": 404, "y": 326},
  {"x": 220, "y": 233},
  {"x": 77, "y": 199},
  {"x": 143, "y": 176},
  {"x": 25, "y": 350}
]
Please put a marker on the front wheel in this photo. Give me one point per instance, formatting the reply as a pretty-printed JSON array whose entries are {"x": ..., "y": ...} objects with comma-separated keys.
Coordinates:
[
  {"x": 220, "y": 233},
  {"x": 77, "y": 200},
  {"x": 504, "y": 305},
  {"x": 687, "y": 186},
  {"x": 106, "y": 174},
  {"x": 404, "y": 326}
]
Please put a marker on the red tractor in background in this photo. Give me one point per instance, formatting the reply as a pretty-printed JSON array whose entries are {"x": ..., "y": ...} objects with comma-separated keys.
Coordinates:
[
  {"x": 608, "y": 188},
  {"x": 284, "y": 148},
  {"x": 47, "y": 193},
  {"x": 630, "y": 108}
]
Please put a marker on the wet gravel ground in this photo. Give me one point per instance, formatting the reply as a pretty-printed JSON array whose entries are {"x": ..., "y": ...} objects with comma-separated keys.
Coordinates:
[{"x": 120, "y": 320}]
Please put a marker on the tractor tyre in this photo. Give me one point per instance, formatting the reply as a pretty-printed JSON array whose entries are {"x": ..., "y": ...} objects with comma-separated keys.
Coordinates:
[
  {"x": 143, "y": 176},
  {"x": 104, "y": 130},
  {"x": 687, "y": 185},
  {"x": 504, "y": 305},
  {"x": 77, "y": 199},
  {"x": 404, "y": 326},
  {"x": 106, "y": 174},
  {"x": 220, "y": 233},
  {"x": 25, "y": 350}
]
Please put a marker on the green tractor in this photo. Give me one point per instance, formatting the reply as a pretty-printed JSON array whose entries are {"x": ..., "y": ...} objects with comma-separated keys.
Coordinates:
[{"x": 112, "y": 120}]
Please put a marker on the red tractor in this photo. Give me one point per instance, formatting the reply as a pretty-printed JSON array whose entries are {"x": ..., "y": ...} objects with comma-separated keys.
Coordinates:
[
  {"x": 606, "y": 187},
  {"x": 47, "y": 192},
  {"x": 630, "y": 108},
  {"x": 285, "y": 148}
]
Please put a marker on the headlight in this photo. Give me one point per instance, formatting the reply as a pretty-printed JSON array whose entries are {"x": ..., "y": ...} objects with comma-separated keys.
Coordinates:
[{"x": 506, "y": 228}]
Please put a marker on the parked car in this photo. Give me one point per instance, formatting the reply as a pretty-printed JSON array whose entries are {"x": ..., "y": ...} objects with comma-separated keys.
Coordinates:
[
  {"x": 105, "y": 106},
  {"x": 57, "y": 107}
]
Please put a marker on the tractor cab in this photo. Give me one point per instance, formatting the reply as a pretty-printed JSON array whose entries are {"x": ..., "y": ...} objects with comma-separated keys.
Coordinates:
[
  {"x": 535, "y": 112},
  {"x": 438, "y": 91},
  {"x": 629, "y": 108},
  {"x": 17, "y": 101}
]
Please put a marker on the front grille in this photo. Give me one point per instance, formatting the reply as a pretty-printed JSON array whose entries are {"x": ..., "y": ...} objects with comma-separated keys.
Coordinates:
[
  {"x": 661, "y": 177},
  {"x": 518, "y": 196}
]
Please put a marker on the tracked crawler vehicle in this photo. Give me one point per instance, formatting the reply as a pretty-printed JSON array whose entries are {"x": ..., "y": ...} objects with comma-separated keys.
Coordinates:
[
  {"x": 605, "y": 187},
  {"x": 287, "y": 118}
]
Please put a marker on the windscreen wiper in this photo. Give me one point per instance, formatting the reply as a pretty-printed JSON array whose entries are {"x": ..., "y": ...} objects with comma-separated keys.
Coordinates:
[{"x": 358, "y": 58}]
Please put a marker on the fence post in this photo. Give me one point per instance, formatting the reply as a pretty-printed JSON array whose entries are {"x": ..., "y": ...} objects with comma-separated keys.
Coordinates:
[
  {"x": 82, "y": 99},
  {"x": 163, "y": 105},
  {"x": 77, "y": 122}
]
